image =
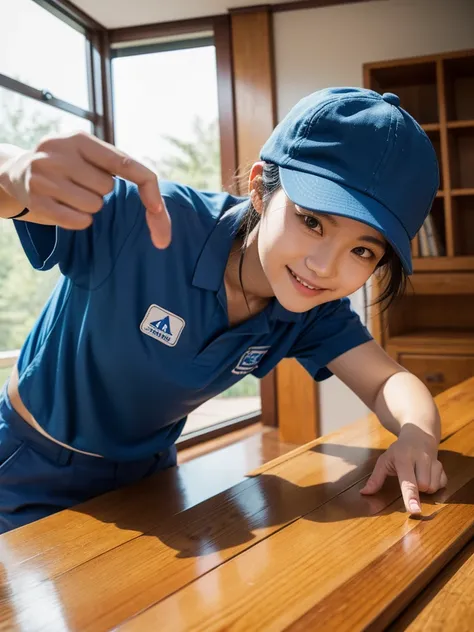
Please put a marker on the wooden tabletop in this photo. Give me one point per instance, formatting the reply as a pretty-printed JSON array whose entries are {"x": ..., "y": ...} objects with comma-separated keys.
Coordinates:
[{"x": 294, "y": 546}]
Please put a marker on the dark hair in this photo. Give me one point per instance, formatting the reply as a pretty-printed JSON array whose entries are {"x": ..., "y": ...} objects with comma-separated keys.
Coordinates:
[
  {"x": 271, "y": 184},
  {"x": 390, "y": 272}
]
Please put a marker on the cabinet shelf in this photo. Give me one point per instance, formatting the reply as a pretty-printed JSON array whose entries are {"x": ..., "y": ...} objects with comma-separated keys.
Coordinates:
[
  {"x": 459, "y": 124},
  {"x": 462, "y": 339},
  {"x": 431, "y": 127},
  {"x": 430, "y": 330},
  {"x": 457, "y": 283},
  {"x": 443, "y": 264},
  {"x": 459, "y": 192},
  {"x": 415, "y": 84},
  {"x": 459, "y": 87},
  {"x": 461, "y": 157}
]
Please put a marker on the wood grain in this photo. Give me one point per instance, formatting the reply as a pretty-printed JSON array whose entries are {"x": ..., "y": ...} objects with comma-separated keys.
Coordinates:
[
  {"x": 437, "y": 372},
  {"x": 256, "y": 444},
  {"x": 192, "y": 550},
  {"x": 455, "y": 407},
  {"x": 438, "y": 283},
  {"x": 181, "y": 548},
  {"x": 278, "y": 580},
  {"x": 254, "y": 82},
  {"x": 447, "y": 605},
  {"x": 297, "y": 403},
  {"x": 446, "y": 160},
  {"x": 371, "y": 598}
]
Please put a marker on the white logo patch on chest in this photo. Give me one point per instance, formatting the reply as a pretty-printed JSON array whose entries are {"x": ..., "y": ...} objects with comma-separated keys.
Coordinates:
[
  {"x": 249, "y": 360},
  {"x": 162, "y": 325}
]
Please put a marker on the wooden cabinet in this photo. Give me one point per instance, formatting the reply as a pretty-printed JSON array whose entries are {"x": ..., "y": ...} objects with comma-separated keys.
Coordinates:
[
  {"x": 438, "y": 372},
  {"x": 430, "y": 330}
]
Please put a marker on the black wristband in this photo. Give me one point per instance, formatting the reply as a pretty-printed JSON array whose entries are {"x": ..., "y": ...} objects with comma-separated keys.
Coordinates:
[{"x": 24, "y": 212}]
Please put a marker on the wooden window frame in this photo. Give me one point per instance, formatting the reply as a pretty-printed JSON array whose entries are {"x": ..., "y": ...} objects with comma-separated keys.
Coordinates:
[{"x": 220, "y": 27}]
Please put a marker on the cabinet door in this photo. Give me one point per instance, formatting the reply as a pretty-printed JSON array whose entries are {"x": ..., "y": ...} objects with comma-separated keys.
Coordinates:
[{"x": 438, "y": 372}]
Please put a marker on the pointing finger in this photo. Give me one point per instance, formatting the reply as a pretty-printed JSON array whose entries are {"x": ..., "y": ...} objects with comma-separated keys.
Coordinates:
[
  {"x": 407, "y": 479},
  {"x": 110, "y": 159},
  {"x": 159, "y": 225},
  {"x": 115, "y": 162}
]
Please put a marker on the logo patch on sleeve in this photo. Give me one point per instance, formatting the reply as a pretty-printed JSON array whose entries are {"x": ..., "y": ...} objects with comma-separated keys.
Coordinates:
[
  {"x": 250, "y": 359},
  {"x": 162, "y": 325}
]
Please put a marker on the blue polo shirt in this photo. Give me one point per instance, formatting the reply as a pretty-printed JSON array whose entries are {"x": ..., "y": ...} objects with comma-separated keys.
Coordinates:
[{"x": 134, "y": 338}]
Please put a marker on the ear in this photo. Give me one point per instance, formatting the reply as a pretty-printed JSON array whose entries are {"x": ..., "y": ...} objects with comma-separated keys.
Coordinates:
[{"x": 256, "y": 186}]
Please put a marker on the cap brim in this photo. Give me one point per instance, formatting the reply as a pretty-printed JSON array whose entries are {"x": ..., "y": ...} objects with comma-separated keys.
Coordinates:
[{"x": 321, "y": 194}]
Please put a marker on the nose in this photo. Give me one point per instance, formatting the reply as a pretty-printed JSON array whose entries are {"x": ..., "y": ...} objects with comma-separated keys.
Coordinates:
[{"x": 322, "y": 262}]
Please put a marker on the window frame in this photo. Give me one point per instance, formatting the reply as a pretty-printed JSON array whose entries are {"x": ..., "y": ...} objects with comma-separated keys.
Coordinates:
[
  {"x": 99, "y": 89},
  {"x": 129, "y": 37},
  {"x": 99, "y": 112}
]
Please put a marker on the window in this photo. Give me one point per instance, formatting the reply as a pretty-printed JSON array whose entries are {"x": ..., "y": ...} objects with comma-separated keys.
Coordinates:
[
  {"x": 166, "y": 114},
  {"x": 41, "y": 51},
  {"x": 38, "y": 52},
  {"x": 25, "y": 121},
  {"x": 167, "y": 95}
]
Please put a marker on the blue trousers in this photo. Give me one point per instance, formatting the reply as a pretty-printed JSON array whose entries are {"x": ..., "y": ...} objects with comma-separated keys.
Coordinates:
[{"x": 39, "y": 477}]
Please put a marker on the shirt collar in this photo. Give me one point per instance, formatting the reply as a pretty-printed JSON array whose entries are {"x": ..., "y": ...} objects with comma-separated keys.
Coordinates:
[{"x": 210, "y": 267}]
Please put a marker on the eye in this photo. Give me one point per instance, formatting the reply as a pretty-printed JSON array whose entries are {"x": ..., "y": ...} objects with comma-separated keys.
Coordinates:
[
  {"x": 363, "y": 253},
  {"x": 313, "y": 223}
]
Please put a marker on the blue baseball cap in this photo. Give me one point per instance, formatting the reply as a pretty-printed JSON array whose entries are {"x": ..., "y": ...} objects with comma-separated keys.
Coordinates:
[{"x": 356, "y": 153}]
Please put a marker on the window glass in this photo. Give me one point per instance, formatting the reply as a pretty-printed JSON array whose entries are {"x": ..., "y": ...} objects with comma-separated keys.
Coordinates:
[
  {"x": 40, "y": 50},
  {"x": 166, "y": 113}
]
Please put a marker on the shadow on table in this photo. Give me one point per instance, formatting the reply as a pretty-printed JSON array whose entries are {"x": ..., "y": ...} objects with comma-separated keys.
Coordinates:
[{"x": 165, "y": 506}]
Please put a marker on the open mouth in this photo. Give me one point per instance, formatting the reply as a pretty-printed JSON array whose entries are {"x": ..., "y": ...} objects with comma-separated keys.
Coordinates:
[{"x": 303, "y": 286}]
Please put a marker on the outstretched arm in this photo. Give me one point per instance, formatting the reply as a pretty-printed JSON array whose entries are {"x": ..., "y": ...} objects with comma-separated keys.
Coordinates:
[
  {"x": 64, "y": 179},
  {"x": 405, "y": 407}
]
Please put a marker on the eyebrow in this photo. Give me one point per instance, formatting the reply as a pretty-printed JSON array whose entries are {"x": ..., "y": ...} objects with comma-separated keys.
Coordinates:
[
  {"x": 367, "y": 238},
  {"x": 373, "y": 240}
]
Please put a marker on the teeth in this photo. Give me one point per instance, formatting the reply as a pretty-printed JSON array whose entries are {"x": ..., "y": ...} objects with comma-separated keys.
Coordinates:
[
  {"x": 305, "y": 284},
  {"x": 301, "y": 281}
]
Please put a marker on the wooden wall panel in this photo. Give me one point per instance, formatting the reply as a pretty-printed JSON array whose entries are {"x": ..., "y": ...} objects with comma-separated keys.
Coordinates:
[
  {"x": 254, "y": 87},
  {"x": 225, "y": 93},
  {"x": 297, "y": 403}
]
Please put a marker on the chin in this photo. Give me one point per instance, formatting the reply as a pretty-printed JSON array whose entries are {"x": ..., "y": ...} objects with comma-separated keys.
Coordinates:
[{"x": 300, "y": 305}]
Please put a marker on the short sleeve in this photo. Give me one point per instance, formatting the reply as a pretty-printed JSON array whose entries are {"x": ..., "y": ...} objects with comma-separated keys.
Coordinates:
[
  {"x": 86, "y": 256},
  {"x": 335, "y": 329}
]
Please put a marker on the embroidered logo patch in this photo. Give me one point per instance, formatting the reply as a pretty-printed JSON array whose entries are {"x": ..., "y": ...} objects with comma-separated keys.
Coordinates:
[
  {"x": 250, "y": 359},
  {"x": 162, "y": 325}
]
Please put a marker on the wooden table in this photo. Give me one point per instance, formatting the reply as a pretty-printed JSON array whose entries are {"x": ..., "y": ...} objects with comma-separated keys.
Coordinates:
[{"x": 293, "y": 546}]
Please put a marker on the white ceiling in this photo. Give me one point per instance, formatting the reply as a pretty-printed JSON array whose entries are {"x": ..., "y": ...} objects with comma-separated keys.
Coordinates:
[{"x": 117, "y": 13}]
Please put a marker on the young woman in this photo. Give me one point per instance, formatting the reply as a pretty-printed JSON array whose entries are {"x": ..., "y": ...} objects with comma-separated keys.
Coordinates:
[{"x": 143, "y": 326}]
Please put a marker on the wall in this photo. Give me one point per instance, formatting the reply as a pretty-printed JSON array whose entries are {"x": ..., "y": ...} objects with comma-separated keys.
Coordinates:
[
  {"x": 316, "y": 48},
  {"x": 118, "y": 13}
]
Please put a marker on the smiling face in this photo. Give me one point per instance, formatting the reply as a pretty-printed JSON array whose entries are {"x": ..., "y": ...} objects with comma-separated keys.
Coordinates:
[{"x": 310, "y": 258}]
